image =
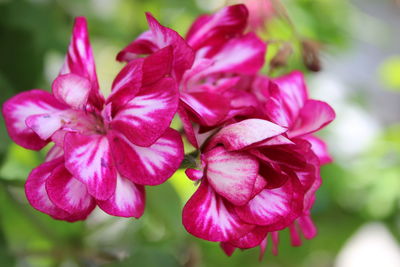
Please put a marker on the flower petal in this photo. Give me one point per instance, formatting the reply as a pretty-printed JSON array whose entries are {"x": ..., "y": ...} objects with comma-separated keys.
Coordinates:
[
  {"x": 80, "y": 60},
  {"x": 208, "y": 216},
  {"x": 232, "y": 174},
  {"x": 151, "y": 165},
  {"x": 245, "y": 133},
  {"x": 128, "y": 200},
  {"x": 292, "y": 93},
  {"x": 143, "y": 45},
  {"x": 126, "y": 84},
  {"x": 158, "y": 38},
  {"x": 312, "y": 117},
  {"x": 193, "y": 174},
  {"x": 163, "y": 36},
  {"x": 211, "y": 29},
  {"x": 18, "y": 108},
  {"x": 227, "y": 248},
  {"x": 242, "y": 55},
  {"x": 45, "y": 125},
  {"x": 35, "y": 189},
  {"x": 252, "y": 239},
  {"x": 319, "y": 147},
  {"x": 69, "y": 193},
  {"x": 89, "y": 159},
  {"x": 145, "y": 118},
  {"x": 273, "y": 208},
  {"x": 72, "y": 90},
  {"x": 208, "y": 108}
]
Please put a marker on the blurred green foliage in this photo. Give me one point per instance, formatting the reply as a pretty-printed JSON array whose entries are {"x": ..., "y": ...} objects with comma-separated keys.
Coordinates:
[{"x": 34, "y": 37}]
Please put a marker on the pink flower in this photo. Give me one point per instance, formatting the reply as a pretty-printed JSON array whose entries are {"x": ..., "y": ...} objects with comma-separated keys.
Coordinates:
[
  {"x": 105, "y": 150},
  {"x": 254, "y": 181},
  {"x": 207, "y": 65}
]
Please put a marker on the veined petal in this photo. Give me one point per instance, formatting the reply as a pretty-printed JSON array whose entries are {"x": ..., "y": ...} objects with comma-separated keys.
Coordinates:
[
  {"x": 208, "y": 108},
  {"x": 72, "y": 90},
  {"x": 45, "y": 125},
  {"x": 89, "y": 159},
  {"x": 292, "y": 92},
  {"x": 151, "y": 165},
  {"x": 157, "y": 66},
  {"x": 128, "y": 200},
  {"x": 312, "y": 117},
  {"x": 35, "y": 189},
  {"x": 319, "y": 147},
  {"x": 242, "y": 134},
  {"x": 18, "y": 108},
  {"x": 163, "y": 36},
  {"x": 208, "y": 216},
  {"x": 259, "y": 184},
  {"x": 146, "y": 117},
  {"x": 252, "y": 239},
  {"x": 126, "y": 84},
  {"x": 232, "y": 174},
  {"x": 80, "y": 60},
  {"x": 68, "y": 193},
  {"x": 273, "y": 208},
  {"x": 211, "y": 29},
  {"x": 243, "y": 55},
  {"x": 143, "y": 45}
]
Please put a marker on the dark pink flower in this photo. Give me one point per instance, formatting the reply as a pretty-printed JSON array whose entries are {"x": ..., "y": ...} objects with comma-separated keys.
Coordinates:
[
  {"x": 254, "y": 181},
  {"x": 207, "y": 65},
  {"x": 108, "y": 148}
]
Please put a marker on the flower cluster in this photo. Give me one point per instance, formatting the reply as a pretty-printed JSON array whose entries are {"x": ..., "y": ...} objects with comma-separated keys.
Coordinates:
[{"x": 259, "y": 163}]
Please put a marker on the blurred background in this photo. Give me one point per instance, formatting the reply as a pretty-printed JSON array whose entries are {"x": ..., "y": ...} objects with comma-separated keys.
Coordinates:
[{"x": 350, "y": 50}]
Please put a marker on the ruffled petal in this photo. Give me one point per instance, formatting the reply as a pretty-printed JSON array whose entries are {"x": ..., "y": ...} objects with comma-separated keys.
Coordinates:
[
  {"x": 242, "y": 55},
  {"x": 208, "y": 108},
  {"x": 274, "y": 208},
  {"x": 80, "y": 60},
  {"x": 143, "y": 45},
  {"x": 214, "y": 29},
  {"x": 128, "y": 200},
  {"x": 252, "y": 239},
  {"x": 183, "y": 53},
  {"x": 292, "y": 92},
  {"x": 208, "y": 216},
  {"x": 151, "y": 165},
  {"x": 232, "y": 174},
  {"x": 312, "y": 117},
  {"x": 35, "y": 189},
  {"x": 319, "y": 147},
  {"x": 89, "y": 159},
  {"x": 72, "y": 90},
  {"x": 17, "y": 109},
  {"x": 145, "y": 118},
  {"x": 69, "y": 193},
  {"x": 245, "y": 133},
  {"x": 160, "y": 37},
  {"x": 126, "y": 84}
]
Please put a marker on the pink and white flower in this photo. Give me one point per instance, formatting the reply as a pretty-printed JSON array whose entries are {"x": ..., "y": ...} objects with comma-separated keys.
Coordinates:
[
  {"x": 254, "y": 181},
  {"x": 108, "y": 149}
]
